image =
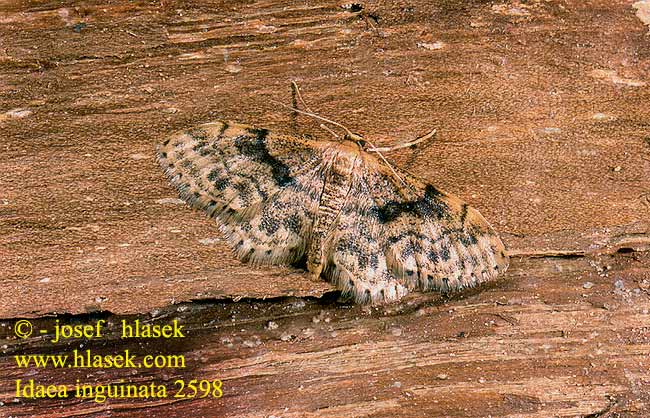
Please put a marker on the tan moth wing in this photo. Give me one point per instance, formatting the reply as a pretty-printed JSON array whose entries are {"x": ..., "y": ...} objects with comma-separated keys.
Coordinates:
[
  {"x": 393, "y": 237},
  {"x": 262, "y": 189},
  {"x": 376, "y": 232}
]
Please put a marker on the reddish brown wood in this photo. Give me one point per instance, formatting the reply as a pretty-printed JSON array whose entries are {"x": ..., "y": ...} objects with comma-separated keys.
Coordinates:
[{"x": 542, "y": 119}]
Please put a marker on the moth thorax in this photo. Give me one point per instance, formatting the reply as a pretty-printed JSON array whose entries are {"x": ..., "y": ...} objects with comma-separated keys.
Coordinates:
[{"x": 344, "y": 163}]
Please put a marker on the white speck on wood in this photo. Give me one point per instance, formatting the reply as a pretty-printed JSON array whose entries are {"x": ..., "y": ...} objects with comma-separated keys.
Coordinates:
[
  {"x": 431, "y": 46},
  {"x": 208, "y": 241}
]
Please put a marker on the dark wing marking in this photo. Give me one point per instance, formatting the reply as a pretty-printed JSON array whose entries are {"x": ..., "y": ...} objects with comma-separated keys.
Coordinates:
[
  {"x": 433, "y": 240},
  {"x": 393, "y": 237},
  {"x": 263, "y": 189}
]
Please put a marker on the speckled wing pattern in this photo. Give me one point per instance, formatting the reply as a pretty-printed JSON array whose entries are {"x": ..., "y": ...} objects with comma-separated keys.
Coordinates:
[
  {"x": 374, "y": 231},
  {"x": 402, "y": 236},
  {"x": 262, "y": 189}
]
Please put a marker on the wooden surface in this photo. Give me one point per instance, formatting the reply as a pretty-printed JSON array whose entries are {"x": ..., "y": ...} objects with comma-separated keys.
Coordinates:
[{"x": 543, "y": 125}]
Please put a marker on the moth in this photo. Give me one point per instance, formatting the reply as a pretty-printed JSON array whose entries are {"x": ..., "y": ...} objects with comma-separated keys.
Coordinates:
[{"x": 337, "y": 206}]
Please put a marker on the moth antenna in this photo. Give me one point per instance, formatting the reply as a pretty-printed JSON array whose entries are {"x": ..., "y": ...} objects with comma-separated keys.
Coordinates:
[
  {"x": 315, "y": 116},
  {"x": 294, "y": 115},
  {"x": 323, "y": 126},
  {"x": 375, "y": 149},
  {"x": 405, "y": 144},
  {"x": 296, "y": 90}
]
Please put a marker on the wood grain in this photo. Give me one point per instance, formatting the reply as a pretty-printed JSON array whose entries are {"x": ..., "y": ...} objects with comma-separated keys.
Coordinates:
[{"x": 542, "y": 120}]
